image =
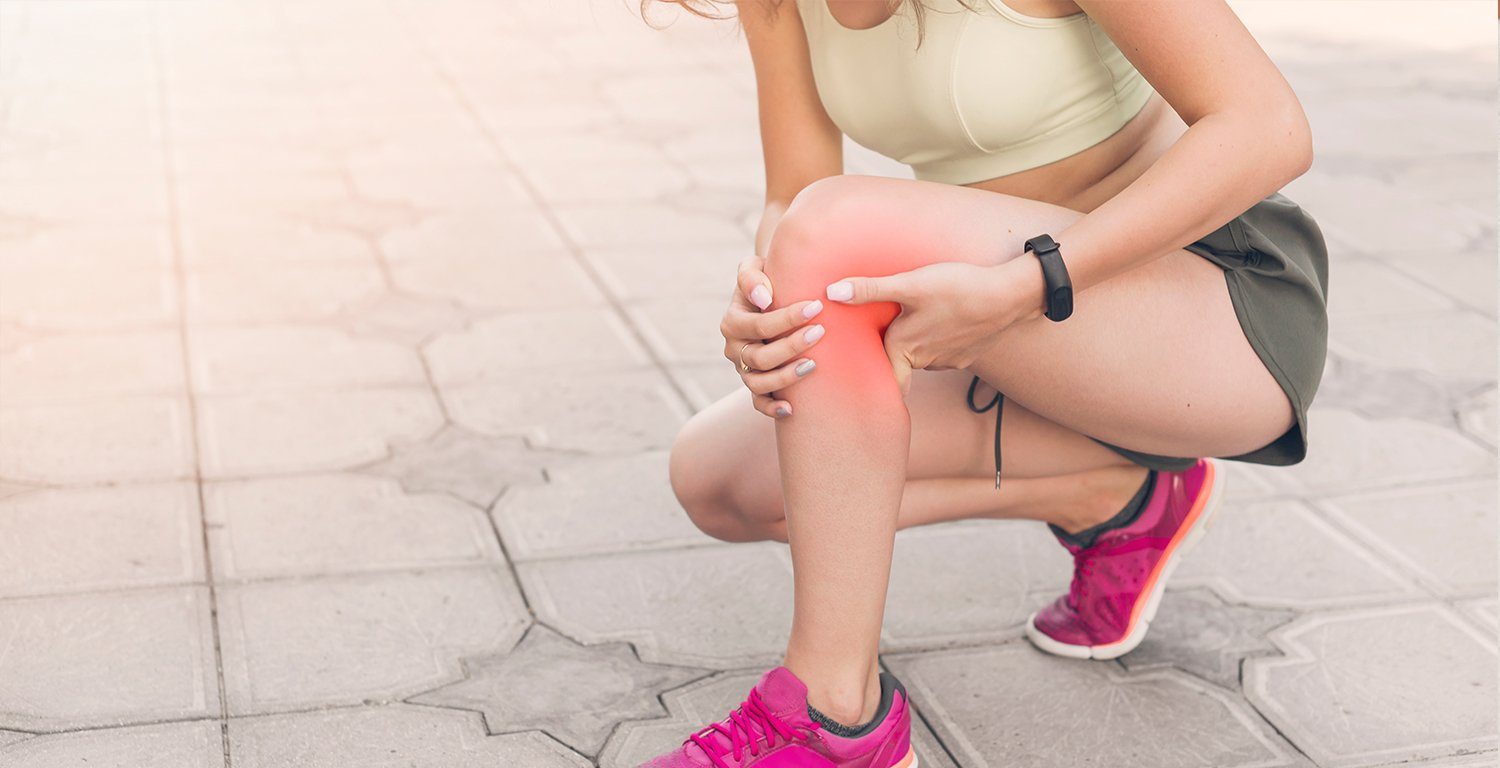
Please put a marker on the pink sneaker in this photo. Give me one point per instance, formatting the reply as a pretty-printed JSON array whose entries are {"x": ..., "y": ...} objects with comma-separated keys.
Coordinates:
[
  {"x": 1117, "y": 582},
  {"x": 772, "y": 729}
]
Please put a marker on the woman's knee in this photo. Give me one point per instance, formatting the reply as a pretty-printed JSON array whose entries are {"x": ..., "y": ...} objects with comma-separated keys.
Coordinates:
[{"x": 709, "y": 494}]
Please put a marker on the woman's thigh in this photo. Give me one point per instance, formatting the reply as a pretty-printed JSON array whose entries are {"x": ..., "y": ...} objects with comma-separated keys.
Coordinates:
[
  {"x": 728, "y": 450},
  {"x": 1153, "y": 359}
]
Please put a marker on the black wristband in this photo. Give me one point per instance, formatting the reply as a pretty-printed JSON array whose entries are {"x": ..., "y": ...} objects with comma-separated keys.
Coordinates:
[{"x": 1059, "y": 285}]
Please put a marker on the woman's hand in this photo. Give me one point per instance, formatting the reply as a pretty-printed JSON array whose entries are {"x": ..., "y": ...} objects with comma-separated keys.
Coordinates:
[
  {"x": 768, "y": 343},
  {"x": 950, "y": 313}
]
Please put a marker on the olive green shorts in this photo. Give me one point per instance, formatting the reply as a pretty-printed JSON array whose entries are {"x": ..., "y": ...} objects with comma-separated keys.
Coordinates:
[{"x": 1276, "y": 266}]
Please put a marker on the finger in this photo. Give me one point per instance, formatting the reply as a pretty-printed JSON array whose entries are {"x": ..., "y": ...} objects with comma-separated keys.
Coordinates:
[
  {"x": 753, "y": 282},
  {"x": 773, "y": 324},
  {"x": 765, "y": 357},
  {"x": 766, "y": 382},
  {"x": 770, "y": 406},
  {"x": 863, "y": 290}
]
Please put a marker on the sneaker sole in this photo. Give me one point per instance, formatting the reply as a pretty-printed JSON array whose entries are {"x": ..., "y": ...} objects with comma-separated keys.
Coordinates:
[
  {"x": 1199, "y": 521},
  {"x": 910, "y": 761}
]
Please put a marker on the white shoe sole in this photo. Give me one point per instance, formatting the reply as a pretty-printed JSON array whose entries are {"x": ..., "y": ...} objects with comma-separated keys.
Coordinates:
[{"x": 1137, "y": 632}]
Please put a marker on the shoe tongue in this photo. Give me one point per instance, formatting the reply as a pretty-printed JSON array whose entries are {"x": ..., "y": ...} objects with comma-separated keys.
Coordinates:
[{"x": 784, "y": 695}]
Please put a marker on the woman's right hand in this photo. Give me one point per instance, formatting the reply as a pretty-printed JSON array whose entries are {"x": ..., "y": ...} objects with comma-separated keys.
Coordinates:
[{"x": 768, "y": 343}]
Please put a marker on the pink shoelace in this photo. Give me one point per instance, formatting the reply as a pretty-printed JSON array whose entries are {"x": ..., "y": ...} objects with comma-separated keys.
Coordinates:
[
  {"x": 1083, "y": 563},
  {"x": 745, "y": 728}
]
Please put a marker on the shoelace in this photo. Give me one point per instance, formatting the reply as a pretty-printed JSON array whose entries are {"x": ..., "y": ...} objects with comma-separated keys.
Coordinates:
[
  {"x": 1083, "y": 563},
  {"x": 745, "y": 728}
]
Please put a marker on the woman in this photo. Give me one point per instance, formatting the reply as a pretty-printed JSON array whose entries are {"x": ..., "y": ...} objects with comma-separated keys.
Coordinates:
[{"x": 1093, "y": 251}]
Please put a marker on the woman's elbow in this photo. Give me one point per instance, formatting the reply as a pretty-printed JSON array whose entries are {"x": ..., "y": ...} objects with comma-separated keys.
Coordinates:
[{"x": 1294, "y": 138}]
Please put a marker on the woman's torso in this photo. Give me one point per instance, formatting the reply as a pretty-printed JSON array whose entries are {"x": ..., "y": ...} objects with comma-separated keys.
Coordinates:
[{"x": 1045, "y": 108}]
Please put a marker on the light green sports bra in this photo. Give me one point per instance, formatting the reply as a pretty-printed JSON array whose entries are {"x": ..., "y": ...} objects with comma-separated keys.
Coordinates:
[{"x": 990, "y": 92}]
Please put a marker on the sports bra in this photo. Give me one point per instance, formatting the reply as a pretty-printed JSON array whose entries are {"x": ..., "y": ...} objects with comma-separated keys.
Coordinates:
[{"x": 989, "y": 92}]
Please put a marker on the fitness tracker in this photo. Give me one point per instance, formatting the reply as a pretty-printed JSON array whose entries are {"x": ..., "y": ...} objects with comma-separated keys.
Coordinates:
[{"x": 1059, "y": 285}]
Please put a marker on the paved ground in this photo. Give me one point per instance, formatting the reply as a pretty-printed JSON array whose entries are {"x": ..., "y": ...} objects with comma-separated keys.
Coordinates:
[{"x": 340, "y": 343}]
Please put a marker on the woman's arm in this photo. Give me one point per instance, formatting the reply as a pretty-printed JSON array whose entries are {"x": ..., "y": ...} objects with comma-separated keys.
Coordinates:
[
  {"x": 800, "y": 145},
  {"x": 1247, "y": 137}
]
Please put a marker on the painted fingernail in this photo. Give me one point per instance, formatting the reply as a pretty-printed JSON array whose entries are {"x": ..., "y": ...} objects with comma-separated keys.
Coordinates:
[
  {"x": 783, "y": 411},
  {"x": 805, "y": 367},
  {"x": 812, "y": 334},
  {"x": 843, "y": 290},
  {"x": 811, "y": 310},
  {"x": 760, "y": 297}
]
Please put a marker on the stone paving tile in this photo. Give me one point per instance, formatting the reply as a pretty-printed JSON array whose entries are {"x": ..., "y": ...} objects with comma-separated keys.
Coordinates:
[
  {"x": 1453, "y": 345},
  {"x": 590, "y": 506},
  {"x": 106, "y": 659},
  {"x": 92, "y": 366},
  {"x": 601, "y": 413},
  {"x": 404, "y": 319},
  {"x": 1382, "y": 393},
  {"x": 246, "y": 293},
  {"x": 502, "y": 233},
  {"x": 228, "y": 239},
  {"x": 169, "y": 745},
  {"x": 1199, "y": 633},
  {"x": 125, "y": 439},
  {"x": 1374, "y": 216},
  {"x": 85, "y": 292},
  {"x": 1280, "y": 554},
  {"x": 338, "y": 524},
  {"x": 72, "y": 540},
  {"x": 971, "y": 583},
  {"x": 345, "y": 640},
  {"x": 412, "y": 737},
  {"x": 1478, "y": 418},
  {"x": 682, "y": 330},
  {"x": 1011, "y": 705},
  {"x": 697, "y": 704},
  {"x": 1382, "y": 685},
  {"x": 1484, "y": 612},
  {"x": 575, "y": 693},
  {"x": 1443, "y": 535},
  {"x": 475, "y": 468},
  {"x": 705, "y": 383},
  {"x": 491, "y": 348},
  {"x": 1467, "y": 277},
  {"x": 659, "y": 273},
  {"x": 442, "y": 186},
  {"x": 543, "y": 279},
  {"x": 607, "y": 181},
  {"x": 714, "y": 607},
  {"x": 1376, "y": 290},
  {"x": 265, "y": 434},
  {"x": 627, "y": 225},
  {"x": 1354, "y": 452},
  {"x": 234, "y": 359}
]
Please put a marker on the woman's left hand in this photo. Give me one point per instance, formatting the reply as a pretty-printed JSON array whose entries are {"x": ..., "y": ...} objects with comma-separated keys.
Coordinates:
[{"x": 950, "y": 312}]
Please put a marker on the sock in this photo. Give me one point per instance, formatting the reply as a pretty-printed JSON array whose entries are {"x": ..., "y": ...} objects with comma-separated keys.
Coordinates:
[
  {"x": 1086, "y": 537},
  {"x": 888, "y": 688},
  {"x": 836, "y": 728}
]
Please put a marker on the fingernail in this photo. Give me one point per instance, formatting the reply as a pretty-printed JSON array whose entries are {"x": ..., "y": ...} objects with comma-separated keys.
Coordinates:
[
  {"x": 843, "y": 290},
  {"x": 811, "y": 310},
  {"x": 783, "y": 411},
  {"x": 812, "y": 334},
  {"x": 805, "y": 367},
  {"x": 760, "y": 297}
]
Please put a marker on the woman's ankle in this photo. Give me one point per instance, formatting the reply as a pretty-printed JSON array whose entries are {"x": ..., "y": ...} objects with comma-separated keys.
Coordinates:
[
  {"x": 1099, "y": 496},
  {"x": 847, "y": 698}
]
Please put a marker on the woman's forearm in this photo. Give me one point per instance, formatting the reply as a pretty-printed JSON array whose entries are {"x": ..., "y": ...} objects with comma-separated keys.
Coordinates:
[
  {"x": 1216, "y": 170},
  {"x": 768, "y": 221}
]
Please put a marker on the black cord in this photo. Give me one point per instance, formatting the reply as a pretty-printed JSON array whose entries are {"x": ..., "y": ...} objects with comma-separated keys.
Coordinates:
[{"x": 998, "y": 403}]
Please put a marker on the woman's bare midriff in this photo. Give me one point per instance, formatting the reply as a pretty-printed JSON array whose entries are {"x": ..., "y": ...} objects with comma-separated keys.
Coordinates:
[{"x": 1085, "y": 180}]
